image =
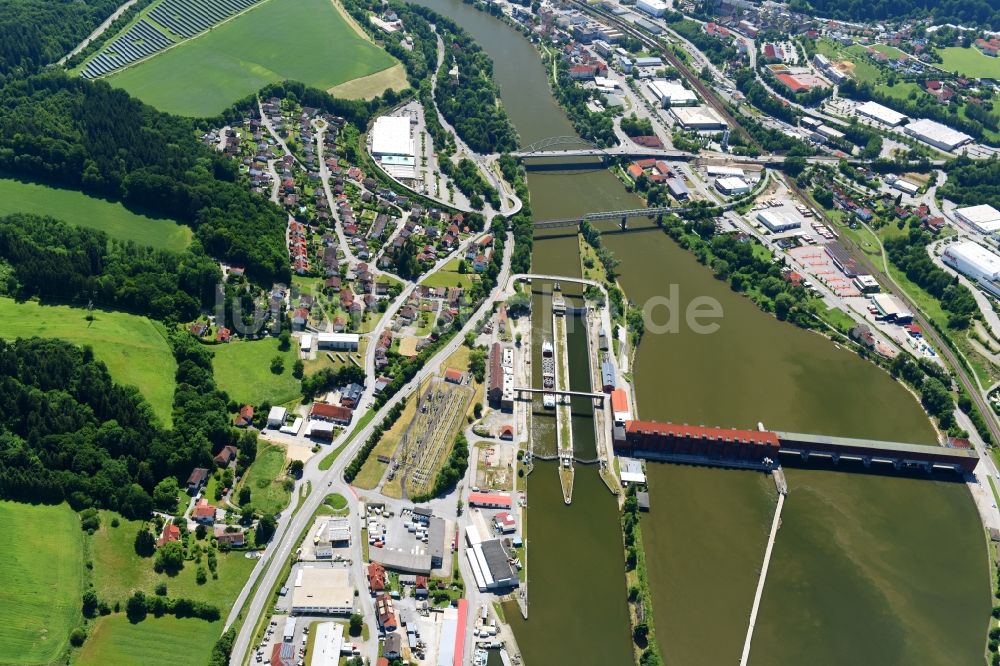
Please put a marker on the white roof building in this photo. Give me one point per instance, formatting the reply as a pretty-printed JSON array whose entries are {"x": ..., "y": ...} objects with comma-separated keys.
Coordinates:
[
  {"x": 732, "y": 185},
  {"x": 306, "y": 342},
  {"x": 672, "y": 93},
  {"x": 712, "y": 170},
  {"x": 322, "y": 591},
  {"x": 983, "y": 218},
  {"x": 337, "y": 340},
  {"x": 973, "y": 260},
  {"x": 327, "y": 645},
  {"x": 777, "y": 222},
  {"x": 698, "y": 118},
  {"x": 936, "y": 134},
  {"x": 883, "y": 114},
  {"x": 276, "y": 417},
  {"x": 631, "y": 470},
  {"x": 391, "y": 136},
  {"x": 652, "y": 7},
  {"x": 906, "y": 186}
]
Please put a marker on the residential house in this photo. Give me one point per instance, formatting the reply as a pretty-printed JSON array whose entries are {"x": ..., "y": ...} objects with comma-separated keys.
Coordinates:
[
  {"x": 233, "y": 539},
  {"x": 196, "y": 481},
  {"x": 376, "y": 578},
  {"x": 203, "y": 513},
  {"x": 245, "y": 418},
  {"x": 227, "y": 456},
  {"x": 170, "y": 533},
  {"x": 333, "y": 413}
]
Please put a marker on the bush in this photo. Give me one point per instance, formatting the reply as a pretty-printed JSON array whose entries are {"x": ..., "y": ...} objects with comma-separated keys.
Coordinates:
[
  {"x": 161, "y": 589},
  {"x": 77, "y": 637},
  {"x": 356, "y": 624}
]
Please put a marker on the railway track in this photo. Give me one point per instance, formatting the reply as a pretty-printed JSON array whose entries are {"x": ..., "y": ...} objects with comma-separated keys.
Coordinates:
[{"x": 709, "y": 95}]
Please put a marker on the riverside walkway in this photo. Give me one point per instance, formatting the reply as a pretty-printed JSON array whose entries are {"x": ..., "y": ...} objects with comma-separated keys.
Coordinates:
[{"x": 745, "y": 656}]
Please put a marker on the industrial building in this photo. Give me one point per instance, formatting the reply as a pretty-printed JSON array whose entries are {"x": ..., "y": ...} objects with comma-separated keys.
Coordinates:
[
  {"x": 392, "y": 146},
  {"x": 976, "y": 263},
  {"x": 631, "y": 470},
  {"x": 842, "y": 259},
  {"x": 653, "y": 439},
  {"x": 882, "y": 114},
  {"x": 866, "y": 284},
  {"x": 652, "y": 7},
  {"x": 276, "y": 417},
  {"x": 435, "y": 541},
  {"x": 327, "y": 645},
  {"x": 891, "y": 309},
  {"x": 398, "y": 560},
  {"x": 983, "y": 218},
  {"x": 608, "y": 376},
  {"x": 490, "y": 500},
  {"x": 648, "y": 61},
  {"x": 678, "y": 190},
  {"x": 732, "y": 185},
  {"x": 698, "y": 118},
  {"x": 491, "y": 566},
  {"x": 338, "y": 341},
  {"x": 936, "y": 134},
  {"x": 716, "y": 171},
  {"x": 777, "y": 222},
  {"x": 500, "y": 391},
  {"x": 906, "y": 187},
  {"x": 322, "y": 591},
  {"x": 619, "y": 406},
  {"x": 672, "y": 93}
]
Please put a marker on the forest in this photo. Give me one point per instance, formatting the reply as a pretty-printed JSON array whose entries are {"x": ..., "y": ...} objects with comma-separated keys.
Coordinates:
[
  {"x": 980, "y": 12},
  {"x": 973, "y": 182},
  {"x": 54, "y": 260},
  {"x": 34, "y": 33},
  {"x": 89, "y": 136},
  {"x": 69, "y": 433}
]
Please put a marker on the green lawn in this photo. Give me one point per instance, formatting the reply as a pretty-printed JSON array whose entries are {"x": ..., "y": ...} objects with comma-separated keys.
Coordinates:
[
  {"x": 264, "y": 478},
  {"x": 134, "y": 348},
  {"x": 969, "y": 62},
  {"x": 243, "y": 370},
  {"x": 118, "y": 571},
  {"x": 449, "y": 276},
  {"x": 41, "y": 565},
  {"x": 331, "y": 457},
  {"x": 300, "y": 40},
  {"x": 77, "y": 208},
  {"x": 155, "y": 641}
]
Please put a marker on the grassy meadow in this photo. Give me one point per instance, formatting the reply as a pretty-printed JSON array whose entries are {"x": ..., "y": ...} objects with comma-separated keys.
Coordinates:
[
  {"x": 969, "y": 62},
  {"x": 84, "y": 211},
  {"x": 264, "y": 479},
  {"x": 118, "y": 571},
  {"x": 449, "y": 276},
  {"x": 155, "y": 641},
  {"x": 41, "y": 565},
  {"x": 301, "y": 40},
  {"x": 134, "y": 348},
  {"x": 243, "y": 370}
]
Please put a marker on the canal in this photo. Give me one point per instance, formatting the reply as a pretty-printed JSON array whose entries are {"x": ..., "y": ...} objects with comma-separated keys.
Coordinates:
[{"x": 866, "y": 569}]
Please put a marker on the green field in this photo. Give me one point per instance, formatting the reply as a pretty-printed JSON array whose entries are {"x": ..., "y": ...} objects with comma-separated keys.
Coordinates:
[
  {"x": 77, "y": 208},
  {"x": 243, "y": 370},
  {"x": 41, "y": 565},
  {"x": 264, "y": 479},
  {"x": 969, "y": 62},
  {"x": 449, "y": 276},
  {"x": 163, "y": 641},
  {"x": 134, "y": 348},
  {"x": 118, "y": 571},
  {"x": 300, "y": 40}
]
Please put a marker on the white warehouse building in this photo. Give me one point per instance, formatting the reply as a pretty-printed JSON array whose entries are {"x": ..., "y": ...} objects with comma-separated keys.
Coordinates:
[
  {"x": 983, "y": 218},
  {"x": 777, "y": 222},
  {"x": 732, "y": 185},
  {"x": 672, "y": 93},
  {"x": 881, "y": 113},
  {"x": 652, "y": 7},
  {"x": 936, "y": 134},
  {"x": 976, "y": 263}
]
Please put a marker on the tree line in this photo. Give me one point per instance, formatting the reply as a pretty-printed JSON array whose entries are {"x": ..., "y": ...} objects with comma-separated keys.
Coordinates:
[
  {"x": 962, "y": 12},
  {"x": 52, "y": 259},
  {"x": 972, "y": 182},
  {"x": 90, "y": 136}
]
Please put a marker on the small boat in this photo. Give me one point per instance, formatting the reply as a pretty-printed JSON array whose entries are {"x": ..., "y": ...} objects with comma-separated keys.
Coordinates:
[
  {"x": 547, "y": 348},
  {"x": 548, "y": 401}
]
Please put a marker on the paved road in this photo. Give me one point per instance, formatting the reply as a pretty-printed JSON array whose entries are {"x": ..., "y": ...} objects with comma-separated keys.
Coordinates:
[{"x": 291, "y": 528}]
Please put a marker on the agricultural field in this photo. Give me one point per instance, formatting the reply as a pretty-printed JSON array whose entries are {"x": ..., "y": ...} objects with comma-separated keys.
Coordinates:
[
  {"x": 300, "y": 40},
  {"x": 969, "y": 62},
  {"x": 77, "y": 208},
  {"x": 155, "y": 640},
  {"x": 118, "y": 571},
  {"x": 134, "y": 348},
  {"x": 243, "y": 370},
  {"x": 41, "y": 565},
  {"x": 265, "y": 479}
]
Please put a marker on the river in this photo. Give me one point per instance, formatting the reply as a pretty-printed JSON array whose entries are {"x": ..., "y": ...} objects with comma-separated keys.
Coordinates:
[{"x": 866, "y": 568}]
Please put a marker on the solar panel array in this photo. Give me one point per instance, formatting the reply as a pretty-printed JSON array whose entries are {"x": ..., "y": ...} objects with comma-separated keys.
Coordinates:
[
  {"x": 185, "y": 18},
  {"x": 141, "y": 40},
  {"x": 189, "y": 17}
]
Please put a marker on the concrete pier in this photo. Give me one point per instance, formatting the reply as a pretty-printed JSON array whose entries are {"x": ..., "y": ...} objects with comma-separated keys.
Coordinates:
[{"x": 775, "y": 524}]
